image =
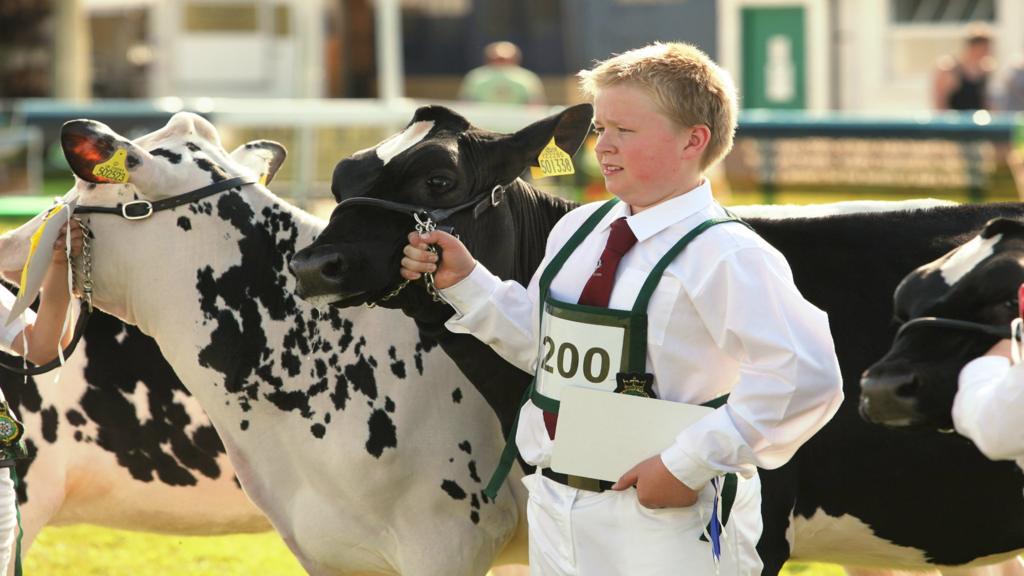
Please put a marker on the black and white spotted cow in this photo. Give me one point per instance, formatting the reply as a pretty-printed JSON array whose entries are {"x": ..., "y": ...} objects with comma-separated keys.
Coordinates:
[
  {"x": 360, "y": 441},
  {"x": 118, "y": 442},
  {"x": 914, "y": 384},
  {"x": 855, "y": 494}
]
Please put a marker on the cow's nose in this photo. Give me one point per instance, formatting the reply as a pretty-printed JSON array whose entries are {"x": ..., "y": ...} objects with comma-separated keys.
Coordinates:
[
  {"x": 889, "y": 398},
  {"x": 318, "y": 272}
]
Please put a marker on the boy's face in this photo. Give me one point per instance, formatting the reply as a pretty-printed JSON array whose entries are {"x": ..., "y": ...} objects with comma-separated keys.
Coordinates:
[{"x": 645, "y": 157}]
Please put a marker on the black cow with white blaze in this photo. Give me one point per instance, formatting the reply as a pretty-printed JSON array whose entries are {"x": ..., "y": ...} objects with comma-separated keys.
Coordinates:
[
  {"x": 953, "y": 310},
  {"x": 333, "y": 421},
  {"x": 855, "y": 494}
]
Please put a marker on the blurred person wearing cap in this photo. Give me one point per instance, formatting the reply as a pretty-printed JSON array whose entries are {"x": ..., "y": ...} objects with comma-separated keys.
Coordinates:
[
  {"x": 989, "y": 402},
  {"x": 502, "y": 80},
  {"x": 961, "y": 81}
]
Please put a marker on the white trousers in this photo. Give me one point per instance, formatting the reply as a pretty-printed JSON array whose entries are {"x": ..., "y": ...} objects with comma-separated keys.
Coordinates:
[
  {"x": 580, "y": 533},
  {"x": 8, "y": 518}
]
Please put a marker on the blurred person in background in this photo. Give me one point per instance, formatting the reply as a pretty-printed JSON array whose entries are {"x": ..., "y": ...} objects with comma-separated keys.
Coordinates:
[
  {"x": 502, "y": 80},
  {"x": 961, "y": 81},
  {"x": 1013, "y": 89}
]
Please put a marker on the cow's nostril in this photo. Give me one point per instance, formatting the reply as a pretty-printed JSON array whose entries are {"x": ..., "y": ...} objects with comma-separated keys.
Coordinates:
[
  {"x": 908, "y": 389},
  {"x": 332, "y": 269}
]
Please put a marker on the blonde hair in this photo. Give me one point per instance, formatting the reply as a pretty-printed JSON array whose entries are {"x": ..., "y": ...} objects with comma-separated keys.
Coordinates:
[{"x": 683, "y": 81}]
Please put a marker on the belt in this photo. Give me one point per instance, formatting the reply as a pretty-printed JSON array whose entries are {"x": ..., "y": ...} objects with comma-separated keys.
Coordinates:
[{"x": 578, "y": 482}]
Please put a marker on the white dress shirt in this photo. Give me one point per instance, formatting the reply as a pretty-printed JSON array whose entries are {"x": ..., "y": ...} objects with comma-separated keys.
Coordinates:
[
  {"x": 9, "y": 332},
  {"x": 988, "y": 405},
  {"x": 725, "y": 318}
]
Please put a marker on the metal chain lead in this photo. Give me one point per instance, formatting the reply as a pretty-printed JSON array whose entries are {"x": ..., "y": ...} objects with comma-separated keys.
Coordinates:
[
  {"x": 422, "y": 227},
  {"x": 86, "y": 263},
  {"x": 426, "y": 227}
]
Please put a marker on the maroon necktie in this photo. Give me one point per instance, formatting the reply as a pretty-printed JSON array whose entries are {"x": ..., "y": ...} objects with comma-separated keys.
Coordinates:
[{"x": 598, "y": 290}]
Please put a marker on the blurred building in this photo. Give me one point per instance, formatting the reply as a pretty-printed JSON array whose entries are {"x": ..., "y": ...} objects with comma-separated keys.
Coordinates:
[{"x": 871, "y": 55}]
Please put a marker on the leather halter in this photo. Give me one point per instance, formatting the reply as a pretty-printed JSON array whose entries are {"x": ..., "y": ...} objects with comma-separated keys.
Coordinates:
[
  {"x": 135, "y": 210},
  {"x": 1002, "y": 331},
  {"x": 141, "y": 209},
  {"x": 480, "y": 203}
]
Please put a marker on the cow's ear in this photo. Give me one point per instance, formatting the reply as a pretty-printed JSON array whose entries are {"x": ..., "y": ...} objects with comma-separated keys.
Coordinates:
[
  {"x": 98, "y": 154},
  {"x": 998, "y": 226},
  {"x": 569, "y": 128},
  {"x": 264, "y": 157}
]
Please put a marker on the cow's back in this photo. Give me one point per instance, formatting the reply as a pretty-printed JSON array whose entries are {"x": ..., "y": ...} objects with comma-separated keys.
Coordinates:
[{"x": 933, "y": 496}]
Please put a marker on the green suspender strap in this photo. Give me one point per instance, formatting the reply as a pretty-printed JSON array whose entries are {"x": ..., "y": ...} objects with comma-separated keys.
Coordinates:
[
  {"x": 640, "y": 308},
  {"x": 508, "y": 455}
]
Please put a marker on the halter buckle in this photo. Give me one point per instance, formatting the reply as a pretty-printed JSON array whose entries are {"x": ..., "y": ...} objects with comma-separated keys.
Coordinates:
[
  {"x": 495, "y": 196},
  {"x": 137, "y": 210}
]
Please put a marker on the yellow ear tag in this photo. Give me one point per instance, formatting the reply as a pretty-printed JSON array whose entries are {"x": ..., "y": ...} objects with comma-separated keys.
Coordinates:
[
  {"x": 553, "y": 162},
  {"x": 113, "y": 170},
  {"x": 263, "y": 179}
]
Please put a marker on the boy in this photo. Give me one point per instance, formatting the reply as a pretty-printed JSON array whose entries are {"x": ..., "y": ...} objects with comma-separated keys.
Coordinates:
[{"x": 725, "y": 317}]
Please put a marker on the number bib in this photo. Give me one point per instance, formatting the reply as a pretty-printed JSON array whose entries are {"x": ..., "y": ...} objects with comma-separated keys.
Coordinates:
[{"x": 581, "y": 346}]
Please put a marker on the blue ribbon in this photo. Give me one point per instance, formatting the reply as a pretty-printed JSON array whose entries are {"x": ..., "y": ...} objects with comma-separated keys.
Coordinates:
[{"x": 716, "y": 527}]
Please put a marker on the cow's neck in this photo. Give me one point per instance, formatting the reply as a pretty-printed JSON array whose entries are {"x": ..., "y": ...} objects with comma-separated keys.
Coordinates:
[{"x": 534, "y": 214}]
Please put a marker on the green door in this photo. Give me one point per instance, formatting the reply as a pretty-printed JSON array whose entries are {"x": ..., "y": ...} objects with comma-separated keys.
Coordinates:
[{"x": 774, "y": 58}]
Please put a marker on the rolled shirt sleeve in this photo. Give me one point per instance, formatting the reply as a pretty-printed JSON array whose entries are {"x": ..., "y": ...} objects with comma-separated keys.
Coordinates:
[
  {"x": 988, "y": 405},
  {"x": 789, "y": 383}
]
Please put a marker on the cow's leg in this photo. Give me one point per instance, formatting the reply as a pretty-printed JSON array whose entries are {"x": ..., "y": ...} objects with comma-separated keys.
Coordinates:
[
  {"x": 45, "y": 483},
  {"x": 778, "y": 495}
]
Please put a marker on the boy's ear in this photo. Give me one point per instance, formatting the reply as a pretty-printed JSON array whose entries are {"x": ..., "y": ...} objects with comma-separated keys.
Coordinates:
[
  {"x": 98, "y": 154},
  {"x": 515, "y": 152},
  {"x": 264, "y": 157},
  {"x": 697, "y": 143}
]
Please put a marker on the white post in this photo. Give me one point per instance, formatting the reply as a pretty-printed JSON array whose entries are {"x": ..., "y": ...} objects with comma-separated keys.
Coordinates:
[
  {"x": 388, "y": 15},
  {"x": 72, "y": 58},
  {"x": 311, "y": 24}
]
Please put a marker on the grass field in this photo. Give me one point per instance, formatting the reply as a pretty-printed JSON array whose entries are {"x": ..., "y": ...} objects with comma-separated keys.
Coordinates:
[{"x": 92, "y": 551}]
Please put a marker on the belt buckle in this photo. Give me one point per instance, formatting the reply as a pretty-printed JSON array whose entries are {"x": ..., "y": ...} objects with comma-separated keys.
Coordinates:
[{"x": 583, "y": 483}]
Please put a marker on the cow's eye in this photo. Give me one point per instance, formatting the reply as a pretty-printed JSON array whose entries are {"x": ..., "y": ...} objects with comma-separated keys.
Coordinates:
[{"x": 439, "y": 182}]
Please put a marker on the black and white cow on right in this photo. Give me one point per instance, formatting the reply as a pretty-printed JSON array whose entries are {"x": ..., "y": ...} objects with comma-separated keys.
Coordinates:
[
  {"x": 914, "y": 384},
  {"x": 855, "y": 494}
]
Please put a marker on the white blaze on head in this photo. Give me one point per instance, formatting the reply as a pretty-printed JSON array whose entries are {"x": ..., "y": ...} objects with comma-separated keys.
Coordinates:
[
  {"x": 404, "y": 140},
  {"x": 967, "y": 257}
]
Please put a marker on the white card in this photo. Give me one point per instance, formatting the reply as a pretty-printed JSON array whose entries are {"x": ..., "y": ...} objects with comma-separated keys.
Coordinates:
[
  {"x": 39, "y": 258},
  {"x": 603, "y": 434}
]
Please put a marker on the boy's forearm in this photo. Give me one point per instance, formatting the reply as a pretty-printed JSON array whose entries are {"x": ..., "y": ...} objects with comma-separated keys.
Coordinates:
[{"x": 44, "y": 335}]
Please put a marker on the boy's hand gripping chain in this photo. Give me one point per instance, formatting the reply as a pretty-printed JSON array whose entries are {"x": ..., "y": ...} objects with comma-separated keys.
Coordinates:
[{"x": 424, "y": 225}]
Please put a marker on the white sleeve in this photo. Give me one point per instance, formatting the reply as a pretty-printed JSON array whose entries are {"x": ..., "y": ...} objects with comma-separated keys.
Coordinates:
[
  {"x": 11, "y": 331},
  {"x": 503, "y": 314},
  {"x": 789, "y": 381},
  {"x": 988, "y": 406}
]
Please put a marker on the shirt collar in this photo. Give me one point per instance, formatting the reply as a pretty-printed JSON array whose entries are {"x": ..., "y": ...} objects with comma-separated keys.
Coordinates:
[{"x": 657, "y": 218}]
